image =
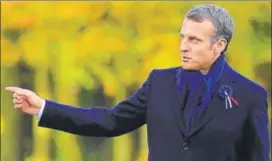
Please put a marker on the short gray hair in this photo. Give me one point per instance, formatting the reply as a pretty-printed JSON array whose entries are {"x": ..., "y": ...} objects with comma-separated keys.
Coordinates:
[{"x": 221, "y": 19}]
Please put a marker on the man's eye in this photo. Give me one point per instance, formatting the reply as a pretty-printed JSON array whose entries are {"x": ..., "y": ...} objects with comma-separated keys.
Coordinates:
[{"x": 194, "y": 40}]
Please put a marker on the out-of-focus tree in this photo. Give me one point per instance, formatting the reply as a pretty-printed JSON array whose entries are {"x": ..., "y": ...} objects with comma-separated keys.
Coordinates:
[{"x": 10, "y": 119}]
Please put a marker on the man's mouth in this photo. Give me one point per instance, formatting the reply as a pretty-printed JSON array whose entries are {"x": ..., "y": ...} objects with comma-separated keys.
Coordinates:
[{"x": 185, "y": 58}]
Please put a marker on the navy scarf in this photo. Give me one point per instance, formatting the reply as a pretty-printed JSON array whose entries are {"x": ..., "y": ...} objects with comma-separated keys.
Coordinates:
[{"x": 198, "y": 90}]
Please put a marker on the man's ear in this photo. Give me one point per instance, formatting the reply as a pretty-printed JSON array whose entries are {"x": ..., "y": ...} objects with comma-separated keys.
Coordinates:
[{"x": 220, "y": 45}]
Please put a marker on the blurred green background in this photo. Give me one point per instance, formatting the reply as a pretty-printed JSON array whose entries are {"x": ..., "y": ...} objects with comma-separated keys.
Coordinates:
[{"x": 98, "y": 53}]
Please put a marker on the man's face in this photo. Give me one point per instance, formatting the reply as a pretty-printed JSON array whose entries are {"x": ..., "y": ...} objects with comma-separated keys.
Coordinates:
[{"x": 197, "y": 51}]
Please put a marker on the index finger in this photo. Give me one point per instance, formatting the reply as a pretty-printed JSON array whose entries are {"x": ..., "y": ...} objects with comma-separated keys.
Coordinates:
[
  {"x": 14, "y": 89},
  {"x": 19, "y": 91}
]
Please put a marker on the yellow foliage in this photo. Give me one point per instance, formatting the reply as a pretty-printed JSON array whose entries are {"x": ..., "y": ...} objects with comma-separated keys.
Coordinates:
[
  {"x": 122, "y": 148},
  {"x": 15, "y": 15},
  {"x": 108, "y": 80},
  {"x": 142, "y": 157},
  {"x": 34, "y": 46},
  {"x": 98, "y": 42},
  {"x": 10, "y": 54},
  {"x": 110, "y": 89},
  {"x": 78, "y": 10},
  {"x": 117, "y": 10},
  {"x": 2, "y": 124},
  {"x": 165, "y": 54}
]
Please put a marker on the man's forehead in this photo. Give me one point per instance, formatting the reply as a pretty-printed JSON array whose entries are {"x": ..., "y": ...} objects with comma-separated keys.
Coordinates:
[{"x": 193, "y": 27}]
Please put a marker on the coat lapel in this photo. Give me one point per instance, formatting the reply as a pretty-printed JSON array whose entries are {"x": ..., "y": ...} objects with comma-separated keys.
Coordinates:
[
  {"x": 217, "y": 104},
  {"x": 178, "y": 103}
]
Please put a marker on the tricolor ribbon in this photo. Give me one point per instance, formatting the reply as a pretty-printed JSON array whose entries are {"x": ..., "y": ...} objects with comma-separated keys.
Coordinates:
[{"x": 226, "y": 92}]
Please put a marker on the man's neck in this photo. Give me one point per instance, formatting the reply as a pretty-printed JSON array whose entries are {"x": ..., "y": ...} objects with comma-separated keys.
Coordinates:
[{"x": 206, "y": 70}]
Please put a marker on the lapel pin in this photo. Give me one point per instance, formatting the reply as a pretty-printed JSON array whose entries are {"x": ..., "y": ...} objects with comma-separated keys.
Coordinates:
[{"x": 226, "y": 92}]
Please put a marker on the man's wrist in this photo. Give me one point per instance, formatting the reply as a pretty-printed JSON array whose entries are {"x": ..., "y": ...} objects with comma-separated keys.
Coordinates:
[{"x": 39, "y": 115}]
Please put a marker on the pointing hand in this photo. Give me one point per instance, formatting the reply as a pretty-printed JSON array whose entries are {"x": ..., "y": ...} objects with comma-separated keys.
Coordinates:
[{"x": 25, "y": 100}]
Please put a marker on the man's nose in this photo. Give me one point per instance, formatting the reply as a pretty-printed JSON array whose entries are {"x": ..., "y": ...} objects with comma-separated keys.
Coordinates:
[{"x": 184, "y": 47}]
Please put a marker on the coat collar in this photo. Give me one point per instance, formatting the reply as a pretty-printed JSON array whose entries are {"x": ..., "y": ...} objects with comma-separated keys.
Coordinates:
[{"x": 229, "y": 77}]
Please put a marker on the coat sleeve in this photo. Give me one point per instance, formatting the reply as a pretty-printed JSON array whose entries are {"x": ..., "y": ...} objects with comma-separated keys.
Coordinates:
[
  {"x": 124, "y": 117},
  {"x": 256, "y": 141}
]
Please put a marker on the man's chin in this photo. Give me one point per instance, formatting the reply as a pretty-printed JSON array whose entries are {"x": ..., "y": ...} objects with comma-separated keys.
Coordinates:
[{"x": 187, "y": 67}]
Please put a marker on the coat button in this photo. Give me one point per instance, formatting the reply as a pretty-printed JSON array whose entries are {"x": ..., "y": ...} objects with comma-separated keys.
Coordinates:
[{"x": 185, "y": 145}]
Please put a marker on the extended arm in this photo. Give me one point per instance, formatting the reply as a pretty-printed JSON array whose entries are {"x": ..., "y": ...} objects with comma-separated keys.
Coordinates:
[{"x": 98, "y": 121}]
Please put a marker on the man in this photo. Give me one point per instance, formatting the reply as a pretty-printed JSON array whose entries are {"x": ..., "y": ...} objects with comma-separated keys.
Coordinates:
[{"x": 202, "y": 111}]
